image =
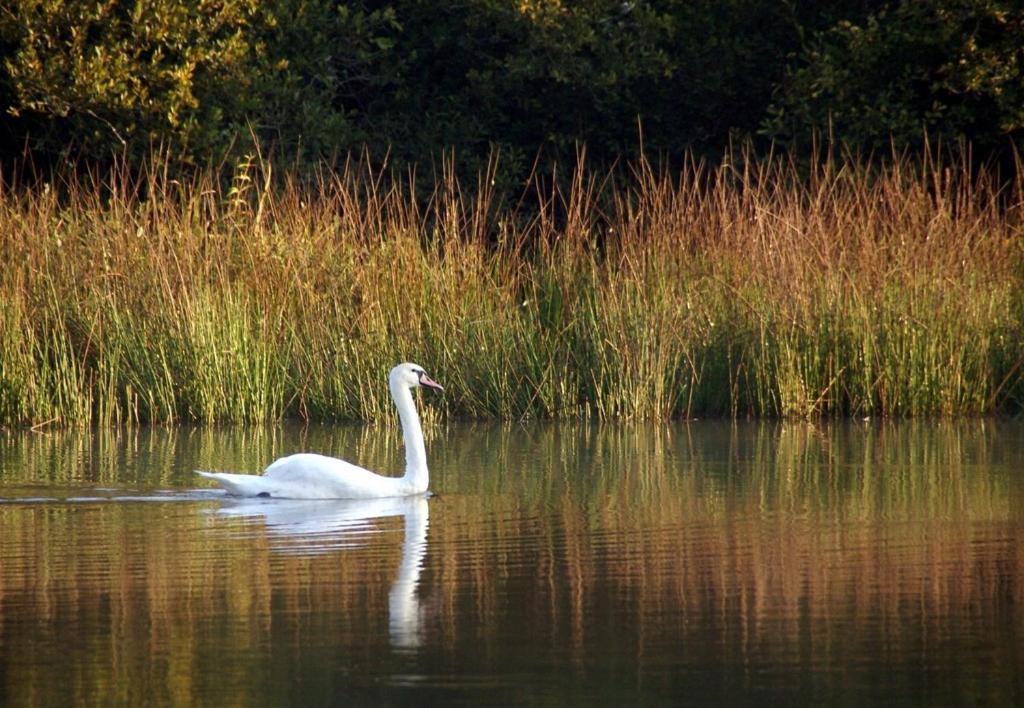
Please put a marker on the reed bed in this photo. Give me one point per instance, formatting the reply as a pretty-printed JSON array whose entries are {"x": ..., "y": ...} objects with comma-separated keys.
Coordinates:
[{"x": 747, "y": 289}]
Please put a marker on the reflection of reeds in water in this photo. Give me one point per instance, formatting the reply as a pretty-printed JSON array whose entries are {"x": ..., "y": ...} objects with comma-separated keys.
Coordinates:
[
  {"x": 799, "y": 542},
  {"x": 172, "y": 609},
  {"x": 636, "y": 549}
]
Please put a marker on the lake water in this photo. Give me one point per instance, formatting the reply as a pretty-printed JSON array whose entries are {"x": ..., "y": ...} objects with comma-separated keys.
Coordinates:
[{"x": 692, "y": 563}]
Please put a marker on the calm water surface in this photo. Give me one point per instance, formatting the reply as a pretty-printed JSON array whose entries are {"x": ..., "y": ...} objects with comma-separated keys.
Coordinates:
[{"x": 657, "y": 565}]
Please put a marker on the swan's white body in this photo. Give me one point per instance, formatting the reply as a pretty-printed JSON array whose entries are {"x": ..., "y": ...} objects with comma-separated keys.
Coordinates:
[{"x": 311, "y": 476}]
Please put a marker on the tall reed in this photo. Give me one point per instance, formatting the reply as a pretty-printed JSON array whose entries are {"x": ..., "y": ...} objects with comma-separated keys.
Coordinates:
[{"x": 750, "y": 288}]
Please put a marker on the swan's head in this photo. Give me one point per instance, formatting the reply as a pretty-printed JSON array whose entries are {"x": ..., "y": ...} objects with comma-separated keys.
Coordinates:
[{"x": 412, "y": 376}]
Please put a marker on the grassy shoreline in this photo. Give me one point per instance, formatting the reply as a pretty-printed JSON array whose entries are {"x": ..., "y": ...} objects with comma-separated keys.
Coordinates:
[{"x": 749, "y": 291}]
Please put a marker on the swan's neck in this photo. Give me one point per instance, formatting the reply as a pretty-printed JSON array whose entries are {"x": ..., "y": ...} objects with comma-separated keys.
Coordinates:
[{"x": 416, "y": 475}]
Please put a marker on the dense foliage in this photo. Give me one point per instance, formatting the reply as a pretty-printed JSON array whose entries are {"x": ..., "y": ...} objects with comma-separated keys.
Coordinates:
[
  {"x": 952, "y": 69},
  {"x": 412, "y": 78}
]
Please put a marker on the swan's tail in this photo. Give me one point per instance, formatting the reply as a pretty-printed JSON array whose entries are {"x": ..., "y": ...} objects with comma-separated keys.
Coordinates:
[{"x": 242, "y": 485}]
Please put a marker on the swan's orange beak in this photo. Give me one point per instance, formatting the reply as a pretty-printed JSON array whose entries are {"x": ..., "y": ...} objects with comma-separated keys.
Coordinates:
[{"x": 430, "y": 383}]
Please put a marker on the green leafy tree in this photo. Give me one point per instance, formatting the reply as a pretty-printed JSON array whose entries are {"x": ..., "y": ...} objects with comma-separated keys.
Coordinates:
[
  {"x": 544, "y": 75},
  {"x": 950, "y": 68},
  {"x": 110, "y": 75},
  {"x": 194, "y": 77},
  {"x": 411, "y": 79},
  {"x": 514, "y": 76},
  {"x": 318, "y": 68}
]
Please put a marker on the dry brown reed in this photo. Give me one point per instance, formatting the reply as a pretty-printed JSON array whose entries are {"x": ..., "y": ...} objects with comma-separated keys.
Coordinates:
[{"x": 750, "y": 288}]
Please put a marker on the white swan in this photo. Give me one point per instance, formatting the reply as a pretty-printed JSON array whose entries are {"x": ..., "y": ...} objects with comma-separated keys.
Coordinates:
[{"x": 310, "y": 476}]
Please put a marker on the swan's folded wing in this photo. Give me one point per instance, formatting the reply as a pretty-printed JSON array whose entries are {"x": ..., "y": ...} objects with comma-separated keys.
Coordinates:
[
  {"x": 311, "y": 476},
  {"x": 308, "y": 466}
]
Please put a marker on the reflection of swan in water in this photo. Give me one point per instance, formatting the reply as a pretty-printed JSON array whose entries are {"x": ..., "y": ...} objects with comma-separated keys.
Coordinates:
[
  {"x": 320, "y": 526},
  {"x": 403, "y": 603}
]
